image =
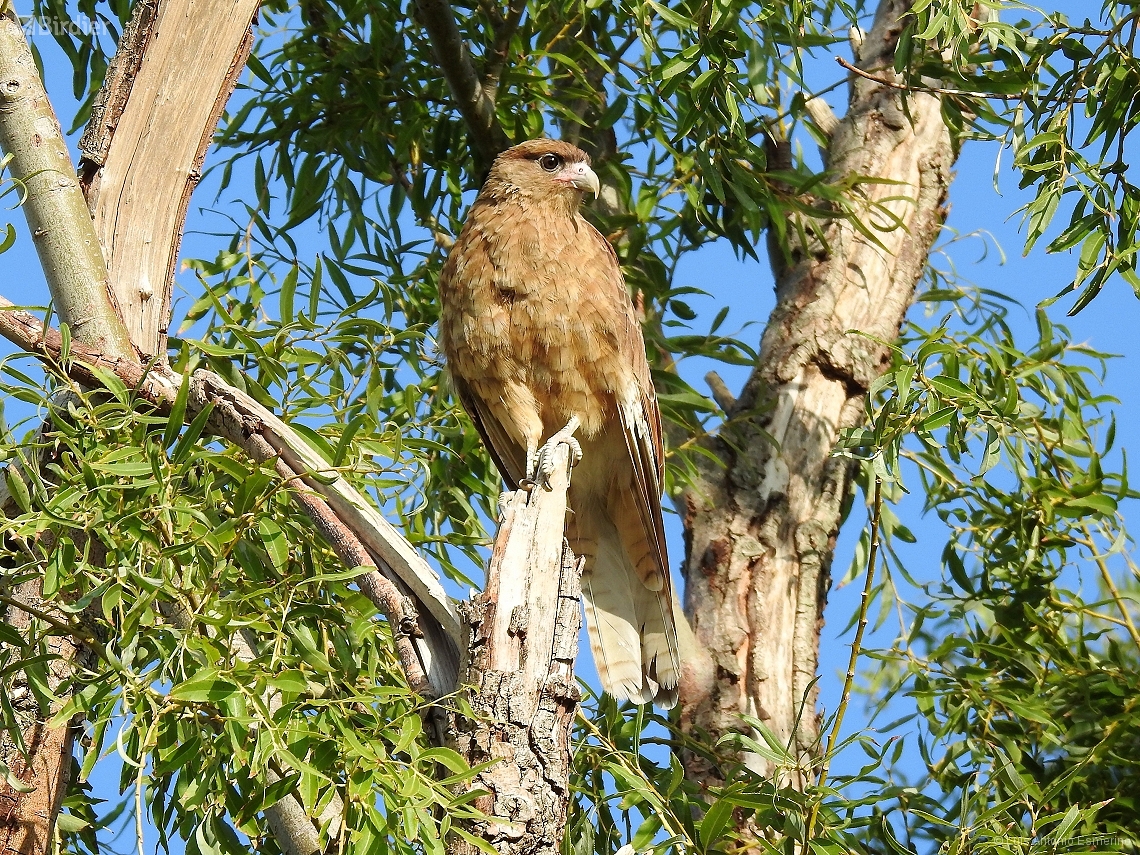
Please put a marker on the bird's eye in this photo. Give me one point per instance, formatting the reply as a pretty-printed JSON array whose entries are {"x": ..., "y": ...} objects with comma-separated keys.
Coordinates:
[{"x": 550, "y": 162}]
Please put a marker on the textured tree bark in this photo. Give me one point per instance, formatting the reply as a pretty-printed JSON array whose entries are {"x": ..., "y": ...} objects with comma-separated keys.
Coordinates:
[
  {"x": 39, "y": 755},
  {"x": 519, "y": 661},
  {"x": 27, "y": 818},
  {"x": 760, "y": 532}
]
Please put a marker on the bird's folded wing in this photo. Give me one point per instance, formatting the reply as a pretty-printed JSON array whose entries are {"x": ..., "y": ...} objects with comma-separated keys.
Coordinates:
[
  {"x": 640, "y": 417},
  {"x": 509, "y": 457},
  {"x": 641, "y": 425}
]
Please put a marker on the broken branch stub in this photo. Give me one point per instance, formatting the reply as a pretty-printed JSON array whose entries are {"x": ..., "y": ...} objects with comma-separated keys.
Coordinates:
[{"x": 522, "y": 639}]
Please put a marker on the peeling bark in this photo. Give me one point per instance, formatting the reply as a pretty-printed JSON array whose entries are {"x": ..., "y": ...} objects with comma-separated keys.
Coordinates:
[{"x": 761, "y": 531}]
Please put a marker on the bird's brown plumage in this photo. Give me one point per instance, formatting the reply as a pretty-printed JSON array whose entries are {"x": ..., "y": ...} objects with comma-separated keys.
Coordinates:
[{"x": 537, "y": 327}]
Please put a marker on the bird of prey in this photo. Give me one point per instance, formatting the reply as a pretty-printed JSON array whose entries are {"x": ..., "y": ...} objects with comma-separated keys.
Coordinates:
[{"x": 542, "y": 340}]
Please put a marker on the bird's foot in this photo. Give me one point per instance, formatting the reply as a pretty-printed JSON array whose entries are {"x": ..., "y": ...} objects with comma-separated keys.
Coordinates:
[
  {"x": 544, "y": 459},
  {"x": 504, "y": 501}
]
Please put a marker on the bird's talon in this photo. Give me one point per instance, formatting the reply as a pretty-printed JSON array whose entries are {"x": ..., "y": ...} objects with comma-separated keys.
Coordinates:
[
  {"x": 544, "y": 462},
  {"x": 546, "y": 456}
]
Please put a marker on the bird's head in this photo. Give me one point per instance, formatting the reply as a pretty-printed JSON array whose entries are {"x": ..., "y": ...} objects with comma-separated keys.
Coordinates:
[{"x": 545, "y": 171}]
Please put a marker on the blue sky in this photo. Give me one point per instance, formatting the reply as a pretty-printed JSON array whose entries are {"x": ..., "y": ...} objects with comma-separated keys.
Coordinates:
[{"x": 1109, "y": 324}]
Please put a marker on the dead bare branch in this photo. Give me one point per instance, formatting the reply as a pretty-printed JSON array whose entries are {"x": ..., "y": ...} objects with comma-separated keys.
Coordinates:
[
  {"x": 523, "y": 640},
  {"x": 139, "y": 183}
]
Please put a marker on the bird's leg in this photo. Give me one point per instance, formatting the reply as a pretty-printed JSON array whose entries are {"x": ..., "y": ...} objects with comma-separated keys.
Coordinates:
[
  {"x": 544, "y": 457},
  {"x": 527, "y": 482}
]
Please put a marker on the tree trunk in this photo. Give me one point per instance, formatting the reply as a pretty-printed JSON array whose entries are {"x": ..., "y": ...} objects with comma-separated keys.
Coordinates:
[
  {"x": 760, "y": 532},
  {"x": 42, "y": 765},
  {"x": 37, "y": 754}
]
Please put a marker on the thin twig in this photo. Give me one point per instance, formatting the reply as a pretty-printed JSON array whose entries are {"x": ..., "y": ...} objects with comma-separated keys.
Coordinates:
[
  {"x": 856, "y": 648},
  {"x": 61, "y": 627},
  {"x": 910, "y": 87},
  {"x": 1109, "y": 583}
]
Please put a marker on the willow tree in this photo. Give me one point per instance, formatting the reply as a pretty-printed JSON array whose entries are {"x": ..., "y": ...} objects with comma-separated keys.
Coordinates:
[{"x": 198, "y": 515}]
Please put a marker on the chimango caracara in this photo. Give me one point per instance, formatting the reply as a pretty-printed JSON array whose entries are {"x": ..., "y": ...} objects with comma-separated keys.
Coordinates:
[{"x": 540, "y": 336}]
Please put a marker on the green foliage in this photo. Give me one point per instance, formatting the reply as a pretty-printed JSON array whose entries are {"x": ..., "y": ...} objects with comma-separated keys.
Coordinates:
[
  {"x": 1023, "y": 680},
  {"x": 225, "y": 644},
  {"x": 1063, "y": 97},
  {"x": 359, "y": 376}
]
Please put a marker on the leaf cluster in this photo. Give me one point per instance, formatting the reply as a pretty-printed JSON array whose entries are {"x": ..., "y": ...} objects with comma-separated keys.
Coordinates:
[
  {"x": 1022, "y": 678},
  {"x": 1062, "y": 96},
  {"x": 227, "y": 661}
]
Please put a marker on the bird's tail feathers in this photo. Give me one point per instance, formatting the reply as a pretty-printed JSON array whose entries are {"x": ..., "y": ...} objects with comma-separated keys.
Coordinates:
[
  {"x": 631, "y": 629},
  {"x": 661, "y": 661}
]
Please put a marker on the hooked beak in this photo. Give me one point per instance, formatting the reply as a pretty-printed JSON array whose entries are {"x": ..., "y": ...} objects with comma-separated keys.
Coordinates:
[{"x": 581, "y": 177}]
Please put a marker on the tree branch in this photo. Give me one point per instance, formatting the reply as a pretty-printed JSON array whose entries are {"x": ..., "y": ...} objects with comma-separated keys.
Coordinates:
[
  {"x": 57, "y": 214},
  {"x": 497, "y": 58},
  {"x": 69, "y": 252},
  {"x": 138, "y": 182},
  {"x": 910, "y": 87},
  {"x": 360, "y": 528},
  {"x": 474, "y": 104},
  {"x": 523, "y": 641}
]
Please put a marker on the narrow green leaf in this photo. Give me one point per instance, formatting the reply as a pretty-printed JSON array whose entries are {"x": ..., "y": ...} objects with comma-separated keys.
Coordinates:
[
  {"x": 275, "y": 543},
  {"x": 207, "y": 686}
]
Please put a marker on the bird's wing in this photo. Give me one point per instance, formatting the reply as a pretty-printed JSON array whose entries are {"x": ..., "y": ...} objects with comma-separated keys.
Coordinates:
[
  {"x": 641, "y": 423},
  {"x": 641, "y": 426},
  {"x": 509, "y": 457}
]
